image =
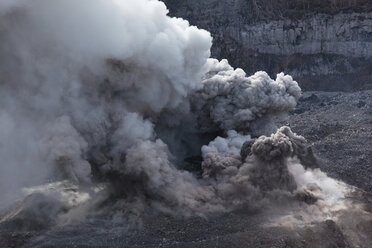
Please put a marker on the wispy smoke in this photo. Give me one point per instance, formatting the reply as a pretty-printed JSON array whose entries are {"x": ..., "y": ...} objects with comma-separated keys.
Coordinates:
[{"x": 114, "y": 94}]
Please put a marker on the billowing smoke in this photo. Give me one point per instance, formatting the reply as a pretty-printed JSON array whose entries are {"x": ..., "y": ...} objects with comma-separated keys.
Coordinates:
[
  {"x": 231, "y": 100},
  {"x": 83, "y": 80},
  {"x": 113, "y": 95}
]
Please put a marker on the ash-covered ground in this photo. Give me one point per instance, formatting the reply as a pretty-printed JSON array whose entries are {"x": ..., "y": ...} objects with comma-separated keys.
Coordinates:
[
  {"x": 235, "y": 229},
  {"x": 339, "y": 125}
]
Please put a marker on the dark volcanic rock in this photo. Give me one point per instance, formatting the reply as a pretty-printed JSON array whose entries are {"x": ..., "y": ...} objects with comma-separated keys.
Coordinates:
[
  {"x": 323, "y": 44},
  {"x": 340, "y": 127},
  {"x": 237, "y": 229}
]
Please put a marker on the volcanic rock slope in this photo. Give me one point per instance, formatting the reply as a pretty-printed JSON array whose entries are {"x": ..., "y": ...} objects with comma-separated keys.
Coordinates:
[
  {"x": 324, "y": 44},
  {"x": 339, "y": 125}
]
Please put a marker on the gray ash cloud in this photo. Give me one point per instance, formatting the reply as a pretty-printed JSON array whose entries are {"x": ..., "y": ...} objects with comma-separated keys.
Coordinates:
[{"x": 111, "y": 95}]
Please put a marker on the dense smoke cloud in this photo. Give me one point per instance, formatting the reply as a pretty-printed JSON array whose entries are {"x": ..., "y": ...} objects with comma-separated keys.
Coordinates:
[
  {"x": 233, "y": 101},
  {"x": 103, "y": 66},
  {"x": 112, "y": 95}
]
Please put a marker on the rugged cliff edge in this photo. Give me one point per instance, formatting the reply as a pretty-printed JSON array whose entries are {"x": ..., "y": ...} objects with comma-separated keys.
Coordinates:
[{"x": 325, "y": 45}]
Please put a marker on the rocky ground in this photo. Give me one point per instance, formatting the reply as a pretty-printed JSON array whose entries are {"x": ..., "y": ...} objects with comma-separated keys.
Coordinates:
[
  {"x": 237, "y": 229},
  {"x": 340, "y": 127}
]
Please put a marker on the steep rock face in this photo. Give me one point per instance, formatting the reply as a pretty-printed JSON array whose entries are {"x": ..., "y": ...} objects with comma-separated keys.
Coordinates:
[
  {"x": 325, "y": 45},
  {"x": 342, "y": 34}
]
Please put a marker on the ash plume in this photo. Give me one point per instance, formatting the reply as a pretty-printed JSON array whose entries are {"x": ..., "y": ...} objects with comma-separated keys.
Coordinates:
[
  {"x": 110, "y": 96},
  {"x": 231, "y": 100},
  {"x": 100, "y": 66}
]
